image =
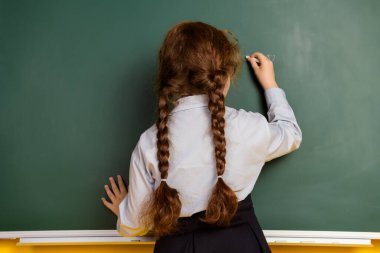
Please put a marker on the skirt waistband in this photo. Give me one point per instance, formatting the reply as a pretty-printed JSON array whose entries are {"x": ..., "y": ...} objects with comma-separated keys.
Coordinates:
[{"x": 243, "y": 214}]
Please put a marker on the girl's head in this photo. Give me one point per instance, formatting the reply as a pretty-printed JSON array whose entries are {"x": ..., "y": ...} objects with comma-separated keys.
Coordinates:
[{"x": 195, "y": 58}]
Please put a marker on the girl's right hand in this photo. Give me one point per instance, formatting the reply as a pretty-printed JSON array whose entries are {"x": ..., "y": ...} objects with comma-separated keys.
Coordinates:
[{"x": 264, "y": 70}]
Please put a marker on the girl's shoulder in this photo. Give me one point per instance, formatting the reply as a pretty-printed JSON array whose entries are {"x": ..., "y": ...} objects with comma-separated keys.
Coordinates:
[
  {"x": 245, "y": 126},
  {"x": 242, "y": 117},
  {"x": 149, "y": 136},
  {"x": 241, "y": 123}
]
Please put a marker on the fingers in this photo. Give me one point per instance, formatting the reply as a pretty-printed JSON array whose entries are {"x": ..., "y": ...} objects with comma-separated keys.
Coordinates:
[
  {"x": 110, "y": 193},
  {"x": 116, "y": 194},
  {"x": 264, "y": 69},
  {"x": 258, "y": 59},
  {"x": 110, "y": 206},
  {"x": 254, "y": 62},
  {"x": 121, "y": 185},
  {"x": 115, "y": 189},
  {"x": 262, "y": 58},
  {"x": 107, "y": 204}
]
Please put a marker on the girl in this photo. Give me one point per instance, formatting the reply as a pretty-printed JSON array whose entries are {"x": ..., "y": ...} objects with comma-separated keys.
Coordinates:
[{"x": 192, "y": 172}]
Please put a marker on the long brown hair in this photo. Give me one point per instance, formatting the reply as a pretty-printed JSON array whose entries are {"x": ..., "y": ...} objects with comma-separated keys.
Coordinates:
[{"x": 195, "y": 58}]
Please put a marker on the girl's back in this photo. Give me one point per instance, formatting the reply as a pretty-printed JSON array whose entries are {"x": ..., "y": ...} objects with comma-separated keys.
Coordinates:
[
  {"x": 250, "y": 141},
  {"x": 192, "y": 172}
]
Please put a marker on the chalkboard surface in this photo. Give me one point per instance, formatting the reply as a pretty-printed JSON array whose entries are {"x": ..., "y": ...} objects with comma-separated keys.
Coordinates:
[{"x": 76, "y": 92}]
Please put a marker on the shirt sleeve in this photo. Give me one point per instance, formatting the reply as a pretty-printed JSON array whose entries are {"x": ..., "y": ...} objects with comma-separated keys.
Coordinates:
[
  {"x": 141, "y": 184},
  {"x": 283, "y": 133}
]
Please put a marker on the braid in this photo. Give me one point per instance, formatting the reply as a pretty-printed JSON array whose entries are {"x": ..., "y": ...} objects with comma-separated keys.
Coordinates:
[
  {"x": 164, "y": 206},
  {"x": 222, "y": 204},
  {"x": 163, "y": 136},
  {"x": 216, "y": 107}
]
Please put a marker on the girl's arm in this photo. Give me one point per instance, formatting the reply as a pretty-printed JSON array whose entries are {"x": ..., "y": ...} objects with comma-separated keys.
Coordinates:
[
  {"x": 141, "y": 186},
  {"x": 282, "y": 133}
]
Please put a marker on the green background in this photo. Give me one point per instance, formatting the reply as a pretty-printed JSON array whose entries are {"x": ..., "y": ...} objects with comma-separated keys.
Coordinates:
[{"x": 76, "y": 92}]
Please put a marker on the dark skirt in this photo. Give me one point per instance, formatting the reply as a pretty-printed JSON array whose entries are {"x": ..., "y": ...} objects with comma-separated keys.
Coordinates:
[{"x": 244, "y": 234}]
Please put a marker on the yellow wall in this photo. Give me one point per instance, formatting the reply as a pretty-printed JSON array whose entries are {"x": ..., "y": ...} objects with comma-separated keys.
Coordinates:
[{"x": 9, "y": 246}]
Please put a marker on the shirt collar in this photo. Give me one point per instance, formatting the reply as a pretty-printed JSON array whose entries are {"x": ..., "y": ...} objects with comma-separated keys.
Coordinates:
[{"x": 189, "y": 102}]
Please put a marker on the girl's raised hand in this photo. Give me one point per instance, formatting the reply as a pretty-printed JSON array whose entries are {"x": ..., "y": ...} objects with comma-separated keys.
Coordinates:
[
  {"x": 116, "y": 195},
  {"x": 264, "y": 69}
]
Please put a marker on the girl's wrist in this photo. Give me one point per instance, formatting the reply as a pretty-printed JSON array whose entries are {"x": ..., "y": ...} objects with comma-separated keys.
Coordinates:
[{"x": 274, "y": 85}]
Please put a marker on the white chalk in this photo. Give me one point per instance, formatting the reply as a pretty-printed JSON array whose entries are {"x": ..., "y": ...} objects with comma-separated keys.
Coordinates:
[{"x": 256, "y": 60}]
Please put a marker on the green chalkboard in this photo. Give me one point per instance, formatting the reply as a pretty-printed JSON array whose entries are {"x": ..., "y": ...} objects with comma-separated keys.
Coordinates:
[{"x": 76, "y": 92}]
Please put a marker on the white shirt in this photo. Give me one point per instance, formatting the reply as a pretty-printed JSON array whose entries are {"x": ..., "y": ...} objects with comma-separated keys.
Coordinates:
[{"x": 251, "y": 140}]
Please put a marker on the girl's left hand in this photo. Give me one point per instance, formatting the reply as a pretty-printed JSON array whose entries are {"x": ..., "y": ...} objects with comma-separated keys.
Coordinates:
[{"x": 116, "y": 195}]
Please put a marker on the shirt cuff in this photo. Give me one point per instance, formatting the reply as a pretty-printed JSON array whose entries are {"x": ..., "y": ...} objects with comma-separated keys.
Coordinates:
[
  {"x": 124, "y": 228},
  {"x": 275, "y": 95}
]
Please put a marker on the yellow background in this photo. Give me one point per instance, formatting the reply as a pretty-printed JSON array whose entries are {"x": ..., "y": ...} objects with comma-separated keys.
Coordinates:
[{"x": 9, "y": 246}]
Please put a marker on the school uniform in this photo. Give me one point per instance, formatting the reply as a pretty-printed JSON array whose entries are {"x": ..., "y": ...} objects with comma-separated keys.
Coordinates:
[{"x": 251, "y": 140}]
